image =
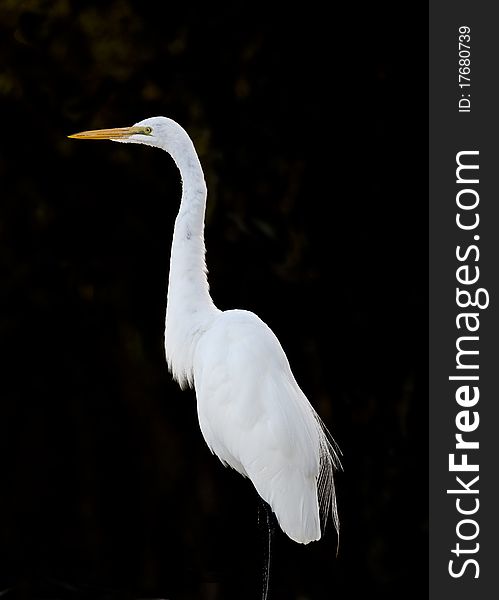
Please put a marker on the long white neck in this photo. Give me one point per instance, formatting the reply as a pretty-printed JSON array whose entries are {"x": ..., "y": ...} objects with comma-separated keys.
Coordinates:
[{"x": 190, "y": 308}]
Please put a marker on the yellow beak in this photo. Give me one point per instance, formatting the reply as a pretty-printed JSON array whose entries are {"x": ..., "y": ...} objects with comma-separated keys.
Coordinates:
[{"x": 118, "y": 133}]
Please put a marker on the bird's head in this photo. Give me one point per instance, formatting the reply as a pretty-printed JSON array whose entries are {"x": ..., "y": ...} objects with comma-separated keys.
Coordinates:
[{"x": 160, "y": 132}]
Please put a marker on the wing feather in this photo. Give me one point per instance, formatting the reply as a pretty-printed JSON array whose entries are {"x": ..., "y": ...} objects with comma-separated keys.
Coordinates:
[{"x": 256, "y": 419}]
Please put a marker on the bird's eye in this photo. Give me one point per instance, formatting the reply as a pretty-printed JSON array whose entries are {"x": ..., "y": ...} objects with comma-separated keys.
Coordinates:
[{"x": 148, "y": 130}]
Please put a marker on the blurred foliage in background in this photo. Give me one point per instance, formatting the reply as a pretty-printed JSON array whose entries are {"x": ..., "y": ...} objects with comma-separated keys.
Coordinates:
[{"x": 316, "y": 220}]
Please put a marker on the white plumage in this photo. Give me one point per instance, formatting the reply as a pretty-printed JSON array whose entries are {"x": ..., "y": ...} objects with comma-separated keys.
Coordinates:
[
  {"x": 252, "y": 413},
  {"x": 256, "y": 419}
]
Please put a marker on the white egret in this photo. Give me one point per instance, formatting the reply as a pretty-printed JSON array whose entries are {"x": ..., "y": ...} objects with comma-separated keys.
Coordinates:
[{"x": 252, "y": 413}]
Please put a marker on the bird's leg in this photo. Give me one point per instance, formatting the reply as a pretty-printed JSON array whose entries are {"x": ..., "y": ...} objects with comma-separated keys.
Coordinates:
[{"x": 267, "y": 524}]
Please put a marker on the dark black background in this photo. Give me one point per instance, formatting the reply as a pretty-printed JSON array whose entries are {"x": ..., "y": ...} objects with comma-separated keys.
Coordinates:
[{"x": 312, "y": 134}]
